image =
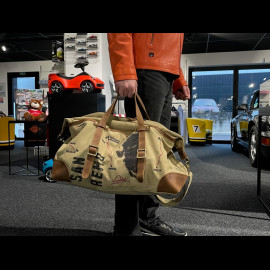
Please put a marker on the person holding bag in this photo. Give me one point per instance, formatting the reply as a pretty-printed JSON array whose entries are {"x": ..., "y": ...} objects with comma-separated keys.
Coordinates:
[{"x": 147, "y": 64}]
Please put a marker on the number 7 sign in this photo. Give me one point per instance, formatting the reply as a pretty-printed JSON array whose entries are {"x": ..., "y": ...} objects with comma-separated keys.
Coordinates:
[{"x": 196, "y": 129}]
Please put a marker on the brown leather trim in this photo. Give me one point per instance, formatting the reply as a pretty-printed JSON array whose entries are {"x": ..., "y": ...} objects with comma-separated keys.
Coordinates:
[
  {"x": 60, "y": 171},
  {"x": 141, "y": 160},
  {"x": 172, "y": 183}
]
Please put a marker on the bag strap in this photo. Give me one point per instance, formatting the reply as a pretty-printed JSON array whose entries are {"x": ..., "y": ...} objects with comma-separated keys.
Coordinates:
[
  {"x": 141, "y": 152},
  {"x": 145, "y": 111}
]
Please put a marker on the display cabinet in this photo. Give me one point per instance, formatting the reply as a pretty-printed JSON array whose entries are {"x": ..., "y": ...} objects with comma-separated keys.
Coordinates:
[
  {"x": 22, "y": 99},
  {"x": 67, "y": 105}
]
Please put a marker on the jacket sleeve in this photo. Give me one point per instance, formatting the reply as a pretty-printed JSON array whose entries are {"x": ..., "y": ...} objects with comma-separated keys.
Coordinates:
[
  {"x": 121, "y": 56},
  {"x": 179, "y": 82}
]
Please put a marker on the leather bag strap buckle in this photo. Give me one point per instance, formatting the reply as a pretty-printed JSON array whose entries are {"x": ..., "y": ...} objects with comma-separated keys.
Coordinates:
[
  {"x": 141, "y": 153},
  {"x": 91, "y": 151}
]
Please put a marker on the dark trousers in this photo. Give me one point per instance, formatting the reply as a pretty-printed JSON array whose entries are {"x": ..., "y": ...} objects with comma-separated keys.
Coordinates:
[{"x": 154, "y": 88}]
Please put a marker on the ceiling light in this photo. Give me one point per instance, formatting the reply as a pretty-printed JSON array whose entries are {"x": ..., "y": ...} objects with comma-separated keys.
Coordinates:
[{"x": 4, "y": 48}]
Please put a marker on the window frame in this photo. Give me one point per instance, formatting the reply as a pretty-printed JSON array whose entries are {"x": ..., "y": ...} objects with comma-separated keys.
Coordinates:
[{"x": 235, "y": 69}]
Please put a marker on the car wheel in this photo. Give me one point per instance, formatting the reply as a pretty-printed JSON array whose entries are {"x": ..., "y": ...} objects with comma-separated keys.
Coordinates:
[
  {"x": 234, "y": 143},
  {"x": 87, "y": 87},
  {"x": 48, "y": 174},
  {"x": 252, "y": 149},
  {"x": 56, "y": 87}
]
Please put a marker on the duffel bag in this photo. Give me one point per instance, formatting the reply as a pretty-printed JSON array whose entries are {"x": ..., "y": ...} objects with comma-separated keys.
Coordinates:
[{"x": 123, "y": 156}]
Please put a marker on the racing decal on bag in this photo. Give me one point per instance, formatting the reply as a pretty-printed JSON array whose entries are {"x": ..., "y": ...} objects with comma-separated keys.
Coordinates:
[
  {"x": 119, "y": 179},
  {"x": 109, "y": 150},
  {"x": 129, "y": 152},
  {"x": 72, "y": 148},
  {"x": 96, "y": 175}
]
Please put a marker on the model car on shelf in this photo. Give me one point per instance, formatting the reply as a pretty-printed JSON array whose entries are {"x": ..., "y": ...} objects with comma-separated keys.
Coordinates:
[
  {"x": 92, "y": 37},
  {"x": 81, "y": 58},
  {"x": 70, "y": 39},
  {"x": 81, "y": 50},
  {"x": 92, "y": 46},
  {"x": 86, "y": 83},
  {"x": 92, "y": 53},
  {"x": 47, "y": 170},
  {"x": 82, "y": 41},
  {"x": 244, "y": 129}
]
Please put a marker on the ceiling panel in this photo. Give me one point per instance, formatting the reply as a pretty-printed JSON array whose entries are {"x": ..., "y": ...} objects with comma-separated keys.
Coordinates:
[
  {"x": 27, "y": 46},
  {"x": 37, "y": 46},
  {"x": 225, "y": 42}
]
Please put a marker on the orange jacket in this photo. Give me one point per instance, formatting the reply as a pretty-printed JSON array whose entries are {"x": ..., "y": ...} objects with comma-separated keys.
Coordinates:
[{"x": 158, "y": 51}]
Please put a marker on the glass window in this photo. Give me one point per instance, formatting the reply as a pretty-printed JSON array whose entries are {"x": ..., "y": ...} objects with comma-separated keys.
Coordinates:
[
  {"x": 250, "y": 80},
  {"x": 212, "y": 98},
  {"x": 216, "y": 93}
]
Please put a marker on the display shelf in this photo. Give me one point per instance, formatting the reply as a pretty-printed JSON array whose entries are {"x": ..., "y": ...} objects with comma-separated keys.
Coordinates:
[{"x": 81, "y": 47}]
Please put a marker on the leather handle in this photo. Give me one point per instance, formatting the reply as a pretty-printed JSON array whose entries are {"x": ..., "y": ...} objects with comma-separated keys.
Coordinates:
[
  {"x": 141, "y": 102},
  {"x": 105, "y": 118}
]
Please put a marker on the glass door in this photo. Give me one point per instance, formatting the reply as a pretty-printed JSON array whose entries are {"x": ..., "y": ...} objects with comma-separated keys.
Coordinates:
[
  {"x": 21, "y": 83},
  {"x": 212, "y": 98}
]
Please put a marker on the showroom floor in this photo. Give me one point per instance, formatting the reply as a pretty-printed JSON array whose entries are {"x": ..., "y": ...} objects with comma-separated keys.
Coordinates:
[{"x": 221, "y": 201}]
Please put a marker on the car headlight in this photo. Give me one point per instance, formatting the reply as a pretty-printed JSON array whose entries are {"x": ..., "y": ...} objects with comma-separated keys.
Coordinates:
[
  {"x": 266, "y": 123},
  {"x": 265, "y": 134},
  {"x": 266, "y": 119}
]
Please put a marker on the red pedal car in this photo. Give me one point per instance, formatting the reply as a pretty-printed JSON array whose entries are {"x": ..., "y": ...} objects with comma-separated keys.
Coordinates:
[{"x": 83, "y": 81}]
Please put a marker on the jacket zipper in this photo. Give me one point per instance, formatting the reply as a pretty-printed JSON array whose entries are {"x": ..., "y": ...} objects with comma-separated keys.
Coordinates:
[{"x": 152, "y": 39}]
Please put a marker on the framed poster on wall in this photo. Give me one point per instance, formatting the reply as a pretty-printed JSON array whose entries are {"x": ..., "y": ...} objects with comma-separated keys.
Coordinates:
[
  {"x": 2, "y": 88},
  {"x": 2, "y": 92}
]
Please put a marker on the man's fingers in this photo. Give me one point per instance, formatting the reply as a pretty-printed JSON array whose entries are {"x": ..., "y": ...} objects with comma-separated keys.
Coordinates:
[
  {"x": 126, "y": 88},
  {"x": 180, "y": 95},
  {"x": 131, "y": 92},
  {"x": 186, "y": 92}
]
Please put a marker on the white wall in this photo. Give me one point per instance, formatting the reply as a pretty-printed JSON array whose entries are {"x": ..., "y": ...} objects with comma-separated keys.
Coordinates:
[{"x": 106, "y": 69}]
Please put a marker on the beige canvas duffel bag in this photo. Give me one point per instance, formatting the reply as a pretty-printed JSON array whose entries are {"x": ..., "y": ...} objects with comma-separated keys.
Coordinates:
[{"x": 123, "y": 156}]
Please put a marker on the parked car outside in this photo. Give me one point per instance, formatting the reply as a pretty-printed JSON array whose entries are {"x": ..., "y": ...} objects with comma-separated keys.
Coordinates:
[
  {"x": 204, "y": 107},
  {"x": 244, "y": 129}
]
